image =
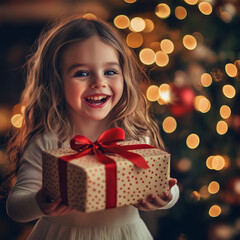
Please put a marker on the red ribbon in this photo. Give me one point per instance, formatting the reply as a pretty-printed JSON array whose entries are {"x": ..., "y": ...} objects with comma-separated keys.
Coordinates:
[{"x": 106, "y": 143}]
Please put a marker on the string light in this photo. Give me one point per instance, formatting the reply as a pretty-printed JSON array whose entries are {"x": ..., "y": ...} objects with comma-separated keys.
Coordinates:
[
  {"x": 215, "y": 211},
  {"x": 229, "y": 91},
  {"x": 137, "y": 24},
  {"x": 90, "y": 16},
  {"x": 162, "y": 58},
  {"x": 17, "y": 120},
  {"x": 121, "y": 21},
  {"x": 149, "y": 26},
  {"x": 216, "y": 162},
  {"x": 147, "y": 56},
  {"x": 189, "y": 42},
  {"x": 153, "y": 93},
  {"x": 202, "y": 104},
  {"x": 205, "y": 8},
  {"x": 134, "y": 39},
  {"x": 191, "y": 2},
  {"x": 169, "y": 124},
  {"x": 193, "y": 141},
  {"x": 225, "y": 111},
  {"x": 164, "y": 91},
  {"x": 162, "y": 10},
  {"x": 196, "y": 195},
  {"x": 206, "y": 79},
  {"x": 222, "y": 127},
  {"x": 180, "y": 12},
  {"x": 130, "y": 1},
  {"x": 213, "y": 187},
  {"x": 167, "y": 45},
  {"x": 231, "y": 70}
]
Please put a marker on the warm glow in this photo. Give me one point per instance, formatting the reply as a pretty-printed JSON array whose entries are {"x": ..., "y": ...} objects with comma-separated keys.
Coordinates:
[
  {"x": 215, "y": 211},
  {"x": 121, "y": 21},
  {"x": 153, "y": 93},
  {"x": 218, "y": 162},
  {"x": 221, "y": 127},
  {"x": 193, "y": 141},
  {"x": 137, "y": 24},
  {"x": 231, "y": 70},
  {"x": 134, "y": 39},
  {"x": 162, "y": 10},
  {"x": 225, "y": 111},
  {"x": 169, "y": 124},
  {"x": 204, "y": 192},
  {"x": 149, "y": 25},
  {"x": 130, "y": 1},
  {"x": 167, "y": 46},
  {"x": 180, "y": 12},
  {"x": 209, "y": 162},
  {"x": 184, "y": 164},
  {"x": 229, "y": 91},
  {"x": 90, "y": 16},
  {"x": 205, "y": 8},
  {"x": 202, "y": 104},
  {"x": 162, "y": 58},
  {"x": 164, "y": 91},
  {"x": 196, "y": 195},
  {"x": 189, "y": 42},
  {"x": 17, "y": 120},
  {"x": 147, "y": 56},
  {"x": 206, "y": 79},
  {"x": 191, "y": 2},
  {"x": 213, "y": 187}
]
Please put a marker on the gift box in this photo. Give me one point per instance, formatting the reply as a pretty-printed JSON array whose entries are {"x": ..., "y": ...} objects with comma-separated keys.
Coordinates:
[{"x": 106, "y": 174}]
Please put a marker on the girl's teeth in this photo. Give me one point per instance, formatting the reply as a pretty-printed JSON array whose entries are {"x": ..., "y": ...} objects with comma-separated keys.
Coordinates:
[{"x": 96, "y": 97}]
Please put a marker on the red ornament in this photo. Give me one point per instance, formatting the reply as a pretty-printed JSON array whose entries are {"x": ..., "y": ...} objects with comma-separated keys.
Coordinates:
[{"x": 182, "y": 100}]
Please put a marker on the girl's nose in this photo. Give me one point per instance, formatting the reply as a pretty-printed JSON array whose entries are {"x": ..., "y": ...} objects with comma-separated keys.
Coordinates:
[{"x": 98, "y": 82}]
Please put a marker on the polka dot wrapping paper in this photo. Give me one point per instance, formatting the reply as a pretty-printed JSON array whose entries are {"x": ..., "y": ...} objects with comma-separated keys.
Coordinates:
[{"x": 86, "y": 177}]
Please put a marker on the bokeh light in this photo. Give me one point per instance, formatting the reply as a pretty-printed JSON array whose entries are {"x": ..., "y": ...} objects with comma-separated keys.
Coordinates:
[
  {"x": 213, "y": 187},
  {"x": 221, "y": 127},
  {"x": 153, "y": 93},
  {"x": 165, "y": 92},
  {"x": 90, "y": 16},
  {"x": 202, "y": 104},
  {"x": 162, "y": 10},
  {"x": 17, "y": 120},
  {"x": 229, "y": 91},
  {"x": 167, "y": 45},
  {"x": 162, "y": 58},
  {"x": 231, "y": 70},
  {"x": 205, "y": 8},
  {"x": 189, "y": 42},
  {"x": 218, "y": 162},
  {"x": 149, "y": 25},
  {"x": 147, "y": 56},
  {"x": 180, "y": 12},
  {"x": 134, "y": 39},
  {"x": 130, "y": 1},
  {"x": 206, "y": 79},
  {"x": 169, "y": 124},
  {"x": 137, "y": 24},
  {"x": 193, "y": 141},
  {"x": 121, "y": 21},
  {"x": 204, "y": 192},
  {"x": 215, "y": 211},
  {"x": 184, "y": 165},
  {"x": 225, "y": 111},
  {"x": 191, "y": 2}
]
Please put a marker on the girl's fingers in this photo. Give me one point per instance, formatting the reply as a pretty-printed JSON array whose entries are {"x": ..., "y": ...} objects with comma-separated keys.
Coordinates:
[{"x": 172, "y": 182}]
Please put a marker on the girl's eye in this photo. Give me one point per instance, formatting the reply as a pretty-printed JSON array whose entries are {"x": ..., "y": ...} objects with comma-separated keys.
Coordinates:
[
  {"x": 81, "y": 74},
  {"x": 110, "y": 72}
]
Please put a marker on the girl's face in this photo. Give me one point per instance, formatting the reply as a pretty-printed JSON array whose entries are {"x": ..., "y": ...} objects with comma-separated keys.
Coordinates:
[{"x": 92, "y": 78}]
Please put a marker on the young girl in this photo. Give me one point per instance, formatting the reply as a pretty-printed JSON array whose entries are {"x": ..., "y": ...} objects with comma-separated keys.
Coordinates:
[{"x": 82, "y": 80}]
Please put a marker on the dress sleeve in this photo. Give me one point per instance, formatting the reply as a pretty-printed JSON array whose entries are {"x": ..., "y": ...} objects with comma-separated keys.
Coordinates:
[{"x": 21, "y": 203}]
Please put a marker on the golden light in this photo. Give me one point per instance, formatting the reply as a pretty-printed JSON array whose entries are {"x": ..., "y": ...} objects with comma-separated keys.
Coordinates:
[
  {"x": 162, "y": 58},
  {"x": 169, "y": 124},
  {"x": 237, "y": 186},
  {"x": 137, "y": 24},
  {"x": 149, "y": 26},
  {"x": 17, "y": 120},
  {"x": 205, "y": 8},
  {"x": 215, "y": 211},
  {"x": 130, "y": 1},
  {"x": 167, "y": 46},
  {"x": 229, "y": 91},
  {"x": 184, "y": 164},
  {"x": 90, "y": 16},
  {"x": 147, "y": 56},
  {"x": 121, "y": 21},
  {"x": 231, "y": 70},
  {"x": 218, "y": 162},
  {"x": 225, "y": 111},
  {"x": 153, "y": 93},
  {"x": 189, "y": 42},
  {"x": 162, "y": 10},
  {"x": 134, "y": 39},
  {"x": 222, "y": 127},
  {"x": 204, "y": 192},
  {"x": 213, "y": 187},
  {"x": 226, "y": 16},
  {"x": 193, "y": 141},
  {"x": 191, "y": 2},
  {"x": 180, "y": 12},
  {"x": 202, "y": 104},
  {"x": 209, "y": 162},
  {"x": 196, "y": 195},
  {"x": 206, "y": 79},
  {"x": 164, "y": 91}
]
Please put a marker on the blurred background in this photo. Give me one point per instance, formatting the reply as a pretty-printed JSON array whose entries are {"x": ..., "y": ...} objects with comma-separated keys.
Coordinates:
[{"x": 190, "y": 50}]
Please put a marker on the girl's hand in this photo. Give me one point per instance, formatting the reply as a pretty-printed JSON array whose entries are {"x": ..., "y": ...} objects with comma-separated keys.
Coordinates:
[
  {"x": 153, "y": 202},
  {"x": 51, "y": 207}
]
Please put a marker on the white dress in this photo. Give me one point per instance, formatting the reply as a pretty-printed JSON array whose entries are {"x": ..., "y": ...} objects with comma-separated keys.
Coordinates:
[{"x": 122, "y": 223}]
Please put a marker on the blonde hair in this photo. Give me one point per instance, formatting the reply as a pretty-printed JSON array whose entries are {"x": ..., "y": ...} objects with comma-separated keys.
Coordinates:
[{"x": 43, "y": 97}]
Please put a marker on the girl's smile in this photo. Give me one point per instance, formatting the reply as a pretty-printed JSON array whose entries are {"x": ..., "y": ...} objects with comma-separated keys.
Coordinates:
[{"x": 92, "y": 78}]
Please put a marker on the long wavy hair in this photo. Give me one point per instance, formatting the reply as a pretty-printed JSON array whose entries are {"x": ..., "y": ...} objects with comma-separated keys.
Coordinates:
[{"x": 43, "y": 97}]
